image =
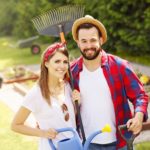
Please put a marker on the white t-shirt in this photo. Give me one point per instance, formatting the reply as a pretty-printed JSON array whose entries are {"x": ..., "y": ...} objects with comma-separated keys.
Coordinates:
[
  {"x": 96, "y": 105},
  {"x": 50, "y": 116}
]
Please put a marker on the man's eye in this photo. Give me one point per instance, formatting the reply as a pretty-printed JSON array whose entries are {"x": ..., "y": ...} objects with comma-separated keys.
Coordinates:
[
  {"x": 65, "y": 62},
  {"x": 83, "y": 41},
  {"x": 93, "y": 40}
]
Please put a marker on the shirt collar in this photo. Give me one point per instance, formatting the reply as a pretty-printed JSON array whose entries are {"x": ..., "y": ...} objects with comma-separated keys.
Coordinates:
[
  {"x": 104, "y": 59},
  {"x": 80, "y": 63}
]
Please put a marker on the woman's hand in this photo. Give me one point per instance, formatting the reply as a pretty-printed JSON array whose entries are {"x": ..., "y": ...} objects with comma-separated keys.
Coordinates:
[
  {"x": 76, "y": 96},
  {"x": 50, "y": 133}
]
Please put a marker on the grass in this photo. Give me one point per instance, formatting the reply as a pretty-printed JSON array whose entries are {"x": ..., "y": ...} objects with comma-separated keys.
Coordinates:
[
  {"x": 11, "y": 54},
  {"x": 143, "y": 146},
  {"x": 144, "y": 59},
  {"x": 10, "y": 140}
]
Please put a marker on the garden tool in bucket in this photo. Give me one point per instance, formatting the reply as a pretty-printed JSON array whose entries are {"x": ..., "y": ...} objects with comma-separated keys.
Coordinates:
[
  {"x": 74, "y": 143},
  {"x": 129, "y": 140},
  {"x": 57, "y": 23}
]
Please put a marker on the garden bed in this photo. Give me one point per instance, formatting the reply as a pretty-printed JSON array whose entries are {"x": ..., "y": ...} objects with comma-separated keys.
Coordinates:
[
  {"x": 22, "y": 79},
  {"x": 18, "y": 74}
]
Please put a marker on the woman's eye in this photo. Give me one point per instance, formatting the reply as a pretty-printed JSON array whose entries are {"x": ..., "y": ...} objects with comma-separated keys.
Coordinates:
[{"x": 57, "y": 61}]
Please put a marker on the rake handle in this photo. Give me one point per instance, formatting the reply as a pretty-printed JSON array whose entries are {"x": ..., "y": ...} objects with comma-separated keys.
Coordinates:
[
  {"x": 61, "y": 33},
  {"x": 77, "y": 107},
  {"x": 81, "y": 124},
  {"x": 62, "y": 37}
]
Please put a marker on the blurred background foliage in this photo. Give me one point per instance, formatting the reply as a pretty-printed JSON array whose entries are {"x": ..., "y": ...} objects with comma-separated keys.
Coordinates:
[{"x": 127, "y": 21}]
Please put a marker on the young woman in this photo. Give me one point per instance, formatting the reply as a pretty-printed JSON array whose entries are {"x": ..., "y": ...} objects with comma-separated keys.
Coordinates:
[{"x": 50, "y": 100}]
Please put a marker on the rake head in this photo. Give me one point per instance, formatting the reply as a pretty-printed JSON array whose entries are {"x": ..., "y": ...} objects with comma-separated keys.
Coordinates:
[{"x": 58, "y": 20}]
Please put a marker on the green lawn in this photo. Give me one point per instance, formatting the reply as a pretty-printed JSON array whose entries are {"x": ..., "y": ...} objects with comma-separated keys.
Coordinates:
[
  {"x": 143, "y": 146},
  {"x": 11, "y": 54},
  {"x": 144, "y": 59},
  {"x": 10, "y": 140}
]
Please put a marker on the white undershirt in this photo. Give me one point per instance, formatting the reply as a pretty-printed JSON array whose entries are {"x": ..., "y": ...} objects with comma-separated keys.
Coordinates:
[{"x": 96, "y": 105}]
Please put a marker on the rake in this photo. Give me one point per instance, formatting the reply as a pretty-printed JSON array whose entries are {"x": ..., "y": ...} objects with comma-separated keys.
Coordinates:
[{"x": 57, "y": 23}]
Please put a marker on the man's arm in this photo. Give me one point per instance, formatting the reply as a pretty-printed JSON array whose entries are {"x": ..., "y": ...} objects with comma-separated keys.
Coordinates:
[{"x": 135, "y": 92}]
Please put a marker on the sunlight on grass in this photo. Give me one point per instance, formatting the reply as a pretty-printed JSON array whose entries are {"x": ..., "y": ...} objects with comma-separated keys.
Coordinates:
[
  {"x": 11, "y": 54},
  {"x": 143, "y": 146},
  {"x": 6, "y": 62},
  {"x": 137, "y": 59},
  {"x": 10, "y": 140}
]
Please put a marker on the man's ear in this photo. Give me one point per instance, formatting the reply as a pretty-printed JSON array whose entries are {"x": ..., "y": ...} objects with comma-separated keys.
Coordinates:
[
  {"x": 78, "y": 43},
  {"x": 101, "y": 40}
]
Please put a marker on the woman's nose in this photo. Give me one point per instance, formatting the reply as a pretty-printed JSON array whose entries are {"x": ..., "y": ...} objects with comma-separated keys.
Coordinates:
[{"x": 63, "y": 65}]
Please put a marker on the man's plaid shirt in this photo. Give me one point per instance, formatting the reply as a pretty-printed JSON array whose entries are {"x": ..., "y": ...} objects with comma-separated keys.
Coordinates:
[{"x": 124, "y": 85}]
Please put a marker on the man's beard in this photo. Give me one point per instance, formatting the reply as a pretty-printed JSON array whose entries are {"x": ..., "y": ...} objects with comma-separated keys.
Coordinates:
[{"x": 91, "y": 57}]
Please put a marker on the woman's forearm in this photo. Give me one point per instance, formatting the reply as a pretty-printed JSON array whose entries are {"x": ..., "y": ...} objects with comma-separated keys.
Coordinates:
[
  {"x": 18, "y": 125},
  {"x": 23, "y": 129},
  {"x": 26, "y": 130}
]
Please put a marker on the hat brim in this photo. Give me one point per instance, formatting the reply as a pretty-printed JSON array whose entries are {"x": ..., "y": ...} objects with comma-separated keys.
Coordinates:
[{"x": 93, "y": 21}]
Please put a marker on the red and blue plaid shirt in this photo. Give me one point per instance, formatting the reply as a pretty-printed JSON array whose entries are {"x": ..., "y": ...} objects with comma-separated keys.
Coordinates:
[{"x": 124, "y": 85}]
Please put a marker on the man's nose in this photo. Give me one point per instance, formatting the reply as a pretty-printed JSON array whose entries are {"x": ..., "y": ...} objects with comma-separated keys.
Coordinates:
[{"x": 88, "y": 45}]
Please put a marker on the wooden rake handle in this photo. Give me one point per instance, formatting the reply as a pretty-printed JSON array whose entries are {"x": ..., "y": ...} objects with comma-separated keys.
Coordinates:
[
  {"x": 62, "y": 37},
  {"x": 61, "y": 33}
]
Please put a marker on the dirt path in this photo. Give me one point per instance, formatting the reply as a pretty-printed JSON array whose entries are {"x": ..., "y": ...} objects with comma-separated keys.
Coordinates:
[
  {"x": 14, "y": 100},
  {"x": 143, "y": 69}
]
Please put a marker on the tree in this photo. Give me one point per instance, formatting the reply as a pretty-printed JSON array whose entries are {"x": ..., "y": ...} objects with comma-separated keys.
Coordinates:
[
  {"x": 127, "y": 23},
  {"x": 8, "y": 15}
]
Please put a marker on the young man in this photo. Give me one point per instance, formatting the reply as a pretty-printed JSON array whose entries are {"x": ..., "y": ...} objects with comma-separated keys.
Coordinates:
[{"x": 106, "y": 83}]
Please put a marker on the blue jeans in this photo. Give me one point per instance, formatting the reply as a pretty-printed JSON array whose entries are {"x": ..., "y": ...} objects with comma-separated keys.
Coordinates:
[{"x": 111, "y": 146}]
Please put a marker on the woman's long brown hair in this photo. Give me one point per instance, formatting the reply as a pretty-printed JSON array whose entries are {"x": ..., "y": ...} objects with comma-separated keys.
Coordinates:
[{"x": 43, "y": 79}]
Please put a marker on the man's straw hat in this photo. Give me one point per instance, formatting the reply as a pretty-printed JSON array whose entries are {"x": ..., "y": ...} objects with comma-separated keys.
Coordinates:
[{"x": 91, "y": 20}]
